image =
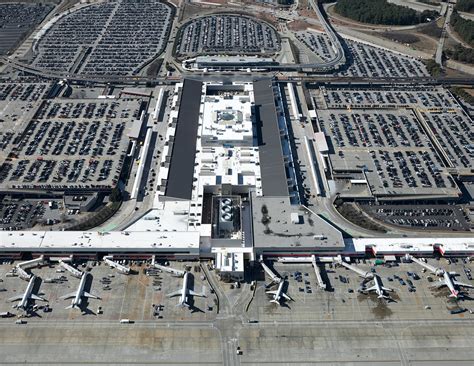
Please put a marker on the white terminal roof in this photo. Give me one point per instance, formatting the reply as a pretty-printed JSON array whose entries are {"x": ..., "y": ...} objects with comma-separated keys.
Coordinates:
[
  {"x": 413, "y": 245},
  {"x": 230, "y": 262},
  {"x": 224, "y": 153},
  {"x": 94, "y": 240},
  {"x": 227, "y": 118}
]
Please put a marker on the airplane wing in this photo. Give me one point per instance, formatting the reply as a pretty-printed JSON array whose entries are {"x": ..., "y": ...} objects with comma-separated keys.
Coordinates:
[
  {"x": 271, "y": 292},
  {"x": 462, "y": 284},
  {"x": 87, "y": 294},
  {"x": 373, "y": 288},
  {"x": 68, "y": 296},
  {"x": 15, "y": 298},
  {"x": 438, "y": 285},
  {"x": 36, "y": 297},
  {"x": 191, "y": 292},
  {"x": 386, "y": 289},
  {"x": 175, "y": 293},
  {"x": 286, "y": 296}
]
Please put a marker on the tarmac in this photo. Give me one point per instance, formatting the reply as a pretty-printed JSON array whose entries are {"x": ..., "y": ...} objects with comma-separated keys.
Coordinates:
[{"x": 318, "y": 328}]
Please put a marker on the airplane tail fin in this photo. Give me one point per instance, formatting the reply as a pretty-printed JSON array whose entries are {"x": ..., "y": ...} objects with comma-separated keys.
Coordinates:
[
  {"x": 454, "y": 294},
  {"x": 275, "y": 302}
]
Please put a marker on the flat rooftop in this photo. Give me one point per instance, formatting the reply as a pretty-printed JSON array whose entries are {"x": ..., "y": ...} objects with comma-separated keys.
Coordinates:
[
  {"x": 81, "y": 241},
  {"x": 180, "y": 177},
  {"x": 272, "y": 166},
  {"x": 274, "y": 228}
]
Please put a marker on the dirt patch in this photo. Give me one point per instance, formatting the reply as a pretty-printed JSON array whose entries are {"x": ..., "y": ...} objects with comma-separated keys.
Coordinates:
[{"x": 298, "y": 25}]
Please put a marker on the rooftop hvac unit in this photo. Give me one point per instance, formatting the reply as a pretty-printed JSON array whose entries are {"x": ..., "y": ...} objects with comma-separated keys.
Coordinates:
[
  {"x": 226, "y": 209},
  {"x": 227, "y": 217}
]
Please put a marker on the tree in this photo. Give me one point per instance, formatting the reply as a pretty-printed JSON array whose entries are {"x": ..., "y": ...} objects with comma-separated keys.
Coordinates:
[{"x": 115, "y": 195}]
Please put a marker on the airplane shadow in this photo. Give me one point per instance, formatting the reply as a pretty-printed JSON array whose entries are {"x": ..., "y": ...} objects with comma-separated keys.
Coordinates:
[
  {"x": 191, "y": 302},
  {"x": 324, "y": 275}
]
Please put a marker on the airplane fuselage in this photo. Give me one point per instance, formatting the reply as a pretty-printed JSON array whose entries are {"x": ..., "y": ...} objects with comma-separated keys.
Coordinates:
[
  {"x": 183, "y": 298},
  {"x": 449, "y": 283},
  {"x": 277, "y": 296},
  {"x": 76, "y": 302},
  {"x": 23, "y": 304}
]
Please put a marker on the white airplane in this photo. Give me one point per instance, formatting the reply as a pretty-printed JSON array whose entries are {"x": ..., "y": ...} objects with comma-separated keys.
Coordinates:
[
  {"x": 27, "y": 295},
  {"x": 79, "y": 294},
  {"x": 278, "y": 294},
  {"x": 184, "y": 292},
  {"x": 378, "y": 288},
  {"x": 446, "y": 278},
  {"x": 449, "y": 281}
]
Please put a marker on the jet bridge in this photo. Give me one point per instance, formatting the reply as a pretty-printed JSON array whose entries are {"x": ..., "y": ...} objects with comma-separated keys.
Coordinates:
[
  {"x": 74, "y": 271},
  {"x": 317, "y": 272},
  {"x": 23, "y": 266},
  {"x": 437, "y": 271},
  {"x": 272, "y": 275},
  {"x": 361, "y": 273},
  {"x": 121, "y": 268}
]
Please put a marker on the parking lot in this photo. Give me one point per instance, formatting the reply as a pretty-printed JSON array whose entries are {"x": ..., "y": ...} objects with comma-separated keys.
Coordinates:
[
  {"x": 428, "y": 217},
  {"x": 319, "y": 43},
  {"x": 17, "y": 20},
  {"x": 390, "y": 98},
  {"x": 113, "y": 37},
  {"x": 70, "y": 144},
  {"x": 455, "y": 133},
  {"x": 370, "y": 61},
  {"x": 408, "y": 140},
  {"x": 226, "y": 33},
  {"x": 21, "y": 214}
]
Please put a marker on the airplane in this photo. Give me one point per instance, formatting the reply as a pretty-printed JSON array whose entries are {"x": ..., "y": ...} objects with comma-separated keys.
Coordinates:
[
  {"x": 27, "y": 295},
  {"x": 184, "y": 292},
  {"x": 447, "y": 279},
  {"x": 278, "y": 294},
  {"x": 451, "y": 283},
  {"x": 79, "y": 294},
  {"x": 378, "y": 288}
]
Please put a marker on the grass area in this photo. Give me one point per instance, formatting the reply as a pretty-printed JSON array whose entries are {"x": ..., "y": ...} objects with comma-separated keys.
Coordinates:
[
  {"x": 352, "y": 213},
  {"x": 432, "y": 30},
  {"x": 406, "y": 38},
  {"x": 433, "y": 68},
  {"x": 463, "y": 94},
  {"x": 154, "y": 68}
]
